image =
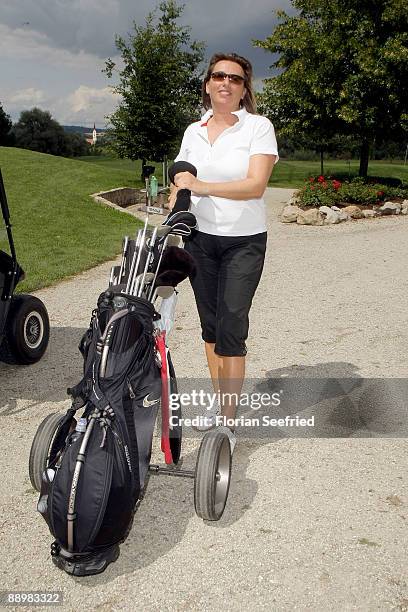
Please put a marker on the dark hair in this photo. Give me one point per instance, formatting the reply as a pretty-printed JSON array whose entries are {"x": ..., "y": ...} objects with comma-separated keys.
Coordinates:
[{"x": 249, "y": 99}]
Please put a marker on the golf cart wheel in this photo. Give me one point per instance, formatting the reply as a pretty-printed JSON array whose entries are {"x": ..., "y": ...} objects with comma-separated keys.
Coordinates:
[
  {"x": 212, "y": 476},
  {"x": 28, "y": 329},
  {"x": 41, "y": 447}
]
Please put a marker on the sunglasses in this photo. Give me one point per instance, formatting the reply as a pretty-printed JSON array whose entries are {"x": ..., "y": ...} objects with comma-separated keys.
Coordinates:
[{"x": 219, "y": 77}]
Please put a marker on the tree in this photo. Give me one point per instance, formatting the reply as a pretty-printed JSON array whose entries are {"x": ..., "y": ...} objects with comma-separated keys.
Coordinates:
[
  {"x": 160, "y": 85},
  {"x": 5, "y": 127},
  {"x": 75, "y": 145},
  {"x": 38, "y": 131},
  {"x": 344, "y": 70}
]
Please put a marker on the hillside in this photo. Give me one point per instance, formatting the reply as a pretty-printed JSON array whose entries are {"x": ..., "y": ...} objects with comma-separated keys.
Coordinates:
[
  {"x": 58, "y": 229},
  {"x": 80, "y": 129}
]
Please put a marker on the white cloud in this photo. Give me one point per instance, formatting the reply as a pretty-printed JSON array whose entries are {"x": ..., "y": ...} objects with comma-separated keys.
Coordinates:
[
  {"x": 85, "y": 97},
  {"x": 87, "y": 105},
  {"x": 16, "y": 100},
  {"x": 29, "y": 97},
  {"x": 83, "y": 106}
]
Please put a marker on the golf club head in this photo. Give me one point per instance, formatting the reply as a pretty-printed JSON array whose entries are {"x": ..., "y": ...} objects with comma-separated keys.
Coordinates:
[
  {"x": 145, "y": 284},
  {"x": 164, "y": 291},
  {"x": 163, "y": 230},
  {"x": 174, "y": 240}
]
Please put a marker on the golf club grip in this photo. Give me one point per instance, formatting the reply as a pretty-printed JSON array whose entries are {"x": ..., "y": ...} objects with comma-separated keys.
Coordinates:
[
  {"x": 183, "y": 195},
  {"x": 181, "y": 166},
  {"x": 182, "y": 201}
]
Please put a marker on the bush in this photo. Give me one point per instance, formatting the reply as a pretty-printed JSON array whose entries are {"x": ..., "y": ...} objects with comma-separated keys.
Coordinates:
[
  {"x": 395, "y": 192},
  {"x": 328, "y": 191},
  {"x": 389, "y": 181},
  {"x": 320, "y": 191},
  {"x": 359, "y": 193},
  {"x": 303, "y": 155}
]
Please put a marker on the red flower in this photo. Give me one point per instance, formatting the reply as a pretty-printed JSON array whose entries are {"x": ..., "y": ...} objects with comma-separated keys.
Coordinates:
[
  {"x": 321, "y": 179},
  {"x": 311, "y": 187},
  {"x": 336, "y": 184},
  {"x": 324, "y": 184},
  {"x": 380, "y": 194},
  {"x": 311, "y": 179}
]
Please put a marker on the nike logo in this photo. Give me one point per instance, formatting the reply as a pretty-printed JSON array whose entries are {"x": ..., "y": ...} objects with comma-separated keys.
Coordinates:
[{"x": 147, "y": 403}]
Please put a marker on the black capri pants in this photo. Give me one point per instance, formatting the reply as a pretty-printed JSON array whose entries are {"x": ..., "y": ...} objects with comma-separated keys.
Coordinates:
[{"x": 228, "y": 272}]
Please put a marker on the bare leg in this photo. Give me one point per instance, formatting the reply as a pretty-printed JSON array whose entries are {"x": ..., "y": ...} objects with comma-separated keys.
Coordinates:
[
  {"x": 231, "y": 377},
  {"x": 227, "y": 375},
  {"x": 214, "y": 364}
]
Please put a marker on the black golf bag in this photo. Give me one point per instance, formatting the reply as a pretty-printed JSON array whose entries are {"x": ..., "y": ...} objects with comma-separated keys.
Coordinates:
[
  {"x": 96, "y": 469},
  {"x": 95, "y": 478}
]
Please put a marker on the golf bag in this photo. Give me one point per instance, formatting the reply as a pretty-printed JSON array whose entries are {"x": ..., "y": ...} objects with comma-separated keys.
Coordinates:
[
  {"x": 96, "y": 469},
  {"x": 95, "y": 477}
]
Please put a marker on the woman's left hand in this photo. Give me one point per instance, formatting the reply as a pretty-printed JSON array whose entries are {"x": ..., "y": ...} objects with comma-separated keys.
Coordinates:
[{"x": 185, "y": 180}]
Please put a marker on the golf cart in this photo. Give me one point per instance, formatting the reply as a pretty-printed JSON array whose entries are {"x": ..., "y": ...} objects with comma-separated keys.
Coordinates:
[{"x": 24, "y": 323}]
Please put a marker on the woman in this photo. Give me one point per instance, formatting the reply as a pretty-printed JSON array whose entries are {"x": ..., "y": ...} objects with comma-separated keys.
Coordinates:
[{"x": 234, "y": 151}]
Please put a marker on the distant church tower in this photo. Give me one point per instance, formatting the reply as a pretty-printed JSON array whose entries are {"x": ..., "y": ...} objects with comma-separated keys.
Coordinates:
[{"x": 94, "y": 135}]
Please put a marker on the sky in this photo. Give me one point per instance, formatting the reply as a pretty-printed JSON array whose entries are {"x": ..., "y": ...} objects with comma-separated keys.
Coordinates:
[{"x": 52, "y": 52}]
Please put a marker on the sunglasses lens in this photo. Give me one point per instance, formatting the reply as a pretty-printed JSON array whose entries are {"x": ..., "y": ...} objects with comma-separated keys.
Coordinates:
[{"x": 218, "y": 76}]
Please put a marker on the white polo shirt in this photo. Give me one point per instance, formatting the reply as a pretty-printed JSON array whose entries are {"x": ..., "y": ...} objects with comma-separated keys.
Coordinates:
[{"x": 228, "y": 160}]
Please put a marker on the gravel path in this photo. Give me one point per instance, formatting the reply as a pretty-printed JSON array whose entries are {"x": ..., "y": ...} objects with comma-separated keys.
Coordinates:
[{"x": 312, "y": 523}]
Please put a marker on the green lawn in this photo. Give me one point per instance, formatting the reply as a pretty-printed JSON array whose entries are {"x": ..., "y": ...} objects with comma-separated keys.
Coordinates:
[
  {"x": 58, "y": 229},
  {"x": 293, "y": 173},
  {"x": 290, "y": 174},
  {"x": 134, "y": 167}
]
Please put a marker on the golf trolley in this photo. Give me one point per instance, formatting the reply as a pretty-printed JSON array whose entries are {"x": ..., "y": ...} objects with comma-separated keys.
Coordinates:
[
  {"x": 125, "y": 356},
  {"x": 213, "y": 467},
  {"x": 24, "y": 323}
]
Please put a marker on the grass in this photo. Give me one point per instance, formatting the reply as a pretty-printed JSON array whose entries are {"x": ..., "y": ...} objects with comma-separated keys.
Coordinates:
[
  {"x": 58, "y": 229},
  {"x": 134, "y": 167},
  {"x": 289, "y": 174}
]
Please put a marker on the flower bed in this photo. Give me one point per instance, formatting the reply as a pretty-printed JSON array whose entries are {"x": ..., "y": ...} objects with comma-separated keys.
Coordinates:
[
  {"x": 328, "y": 191},
  {"x": 326, "y": 200}
]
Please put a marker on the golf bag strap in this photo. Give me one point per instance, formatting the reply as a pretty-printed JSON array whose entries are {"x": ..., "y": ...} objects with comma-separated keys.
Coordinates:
[{"x": 165, "y": 438}]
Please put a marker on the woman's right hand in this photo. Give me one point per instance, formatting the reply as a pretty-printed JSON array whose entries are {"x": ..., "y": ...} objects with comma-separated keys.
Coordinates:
[{"x": 172, "y": 197}]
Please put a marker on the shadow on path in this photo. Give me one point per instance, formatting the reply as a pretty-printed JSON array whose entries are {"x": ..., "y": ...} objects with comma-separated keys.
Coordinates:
[{"x": 343, "y": 404}]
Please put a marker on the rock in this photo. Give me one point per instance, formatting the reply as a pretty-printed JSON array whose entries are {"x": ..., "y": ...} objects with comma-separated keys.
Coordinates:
[
  {"x": 369, "y": 213},
  {"x": 390, "y": 208},
  {"x": 295, "y": 199},
  {"x": 353, "y": 211},
  {"x": 310, "y": 217},
  {"x": 343, "y": 215},
  {"x": 290, "y": 213},
  {"x": 332, "y": 216},
  {"x": 404, "y": 207}
]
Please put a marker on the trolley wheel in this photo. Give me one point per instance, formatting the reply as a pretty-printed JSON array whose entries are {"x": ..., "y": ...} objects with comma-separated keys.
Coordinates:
[
  {"x": 27, "y": 329},
  {"x": 212, "y": 475},
  {"x": 41, "y": 446}
]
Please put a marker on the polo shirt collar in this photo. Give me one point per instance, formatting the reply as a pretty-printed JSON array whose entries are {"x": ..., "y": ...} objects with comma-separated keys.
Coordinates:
[{"x": 241, "y": 114}]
